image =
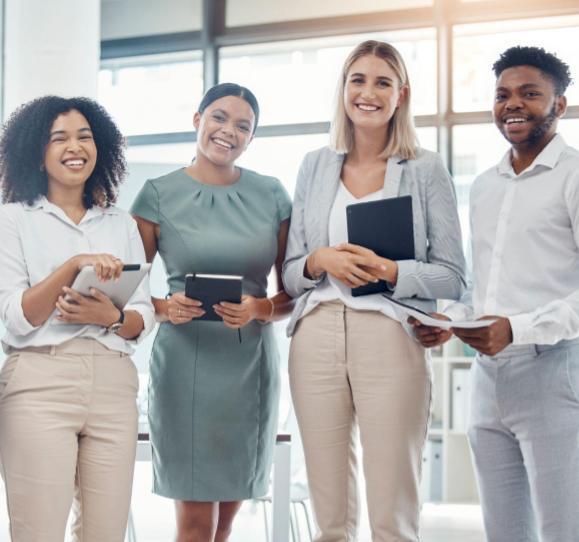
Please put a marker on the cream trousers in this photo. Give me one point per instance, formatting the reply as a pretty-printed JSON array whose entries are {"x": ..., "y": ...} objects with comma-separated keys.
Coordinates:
[
  {"x": 358, "y": 369},
  {"x": 68, "y": 430}
]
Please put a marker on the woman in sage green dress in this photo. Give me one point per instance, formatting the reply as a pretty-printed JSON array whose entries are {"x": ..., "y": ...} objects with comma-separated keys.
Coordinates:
[{"x": 213, "y": 397}]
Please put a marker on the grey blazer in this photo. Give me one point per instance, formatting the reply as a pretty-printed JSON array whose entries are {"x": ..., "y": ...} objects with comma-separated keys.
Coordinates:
[{"x": 438, "y": 272}]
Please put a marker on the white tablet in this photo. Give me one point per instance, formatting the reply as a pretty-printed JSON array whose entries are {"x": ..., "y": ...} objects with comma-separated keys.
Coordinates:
[{"x": 120, "y": 291}]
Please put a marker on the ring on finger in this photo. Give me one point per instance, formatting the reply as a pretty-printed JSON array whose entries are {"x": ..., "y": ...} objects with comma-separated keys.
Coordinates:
[{"x": 179, "y": 312}]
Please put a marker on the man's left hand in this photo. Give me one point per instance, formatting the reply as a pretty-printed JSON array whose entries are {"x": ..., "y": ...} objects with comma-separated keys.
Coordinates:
[{"x": 488, "y": 340}]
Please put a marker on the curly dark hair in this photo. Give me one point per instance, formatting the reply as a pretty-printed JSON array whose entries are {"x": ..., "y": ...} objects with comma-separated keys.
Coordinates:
[
  {"x": 548, "y": 63},
  {"x": 23, "y": 144}
]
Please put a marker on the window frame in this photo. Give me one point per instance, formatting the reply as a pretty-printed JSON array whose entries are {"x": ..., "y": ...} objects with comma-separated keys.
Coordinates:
[{"x": 443, "y": 15}]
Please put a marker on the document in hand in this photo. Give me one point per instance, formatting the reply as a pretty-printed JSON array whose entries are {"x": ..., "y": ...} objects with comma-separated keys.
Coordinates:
[
  {"x": 211, "y": 290},
  {"x": 384, "y": 226},
  {"x": 427, "y": 320}
]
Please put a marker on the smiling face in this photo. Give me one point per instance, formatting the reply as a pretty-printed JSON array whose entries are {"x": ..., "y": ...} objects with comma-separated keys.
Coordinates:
[
  {"x": 372, "y": 93},
  {"x": 71, "y": 153},
  {"x": 526, "y": 107},
  {"x": 224, "y": 129}
]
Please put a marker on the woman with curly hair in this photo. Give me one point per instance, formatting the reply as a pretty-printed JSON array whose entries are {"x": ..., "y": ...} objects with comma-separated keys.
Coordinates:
[{"x": 68, "y": 416}]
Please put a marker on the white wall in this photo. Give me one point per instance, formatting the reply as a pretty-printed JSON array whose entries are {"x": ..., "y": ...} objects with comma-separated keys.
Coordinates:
[
  {"x": 247, "y": 12},
  {"x": 133, "y": 18},
  {"x": 50, "y": 47}
]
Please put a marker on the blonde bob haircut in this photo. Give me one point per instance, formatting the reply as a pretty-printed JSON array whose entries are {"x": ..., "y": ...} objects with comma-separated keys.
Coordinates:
[{"x": 402, "y": 140}]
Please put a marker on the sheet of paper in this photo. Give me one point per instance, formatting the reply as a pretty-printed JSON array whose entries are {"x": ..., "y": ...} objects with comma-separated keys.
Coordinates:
[{"x": 427, "y": 320}]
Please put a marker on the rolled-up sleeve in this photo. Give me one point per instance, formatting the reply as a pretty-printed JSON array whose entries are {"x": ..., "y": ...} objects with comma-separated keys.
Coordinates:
[
  {"x": 442, "y": 276},
  {"x": 141, "y": 299},
  {"x": 294, "y": 280},
  {"x": 14, "y": 277}
]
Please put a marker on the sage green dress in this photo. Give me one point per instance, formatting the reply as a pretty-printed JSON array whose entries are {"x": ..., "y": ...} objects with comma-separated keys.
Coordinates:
[{"x": 213, "y": 400}]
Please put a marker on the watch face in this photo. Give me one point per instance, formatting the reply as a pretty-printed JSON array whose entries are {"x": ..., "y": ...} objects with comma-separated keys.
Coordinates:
[{"x": 115, "y": 327}]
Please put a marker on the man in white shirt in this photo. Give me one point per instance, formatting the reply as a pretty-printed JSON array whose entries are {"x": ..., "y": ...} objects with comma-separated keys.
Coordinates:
[{"x": 524, "y": 213}]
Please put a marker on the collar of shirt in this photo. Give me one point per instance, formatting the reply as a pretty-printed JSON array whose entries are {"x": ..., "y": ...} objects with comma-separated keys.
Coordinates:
[
  {"x": 548, "y": 158},
  {"x": 42, "y": 204}
]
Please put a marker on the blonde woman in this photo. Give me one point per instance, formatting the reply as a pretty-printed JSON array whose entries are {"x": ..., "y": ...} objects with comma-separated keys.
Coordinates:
[{"x": 353, "y": 365}]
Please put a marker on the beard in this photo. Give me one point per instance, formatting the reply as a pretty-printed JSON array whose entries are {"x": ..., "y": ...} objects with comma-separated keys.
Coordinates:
[{"x": 539, "y": 131}]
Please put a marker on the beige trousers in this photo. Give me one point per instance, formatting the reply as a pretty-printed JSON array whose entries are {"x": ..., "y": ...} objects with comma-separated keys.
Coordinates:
[
  {"x": 358, "y": 369},
  {"x": 68, "y": 428}
]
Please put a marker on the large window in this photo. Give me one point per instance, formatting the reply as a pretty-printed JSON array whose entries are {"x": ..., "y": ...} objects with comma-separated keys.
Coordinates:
[
  {"x": 265, "y": 11},
  {"x": 295, "y": 81},
  {"x": 152, "y": 94},
  {"x": 477, "y": 46}
]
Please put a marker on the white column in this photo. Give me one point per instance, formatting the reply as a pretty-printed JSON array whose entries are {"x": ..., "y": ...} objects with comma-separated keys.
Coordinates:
[{"x": 50, "y": 47}]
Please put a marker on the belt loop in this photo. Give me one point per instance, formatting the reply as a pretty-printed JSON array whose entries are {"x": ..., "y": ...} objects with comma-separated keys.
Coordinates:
[
  {"x": 537, "y": 350},
  {"x": 53, "y": 350}
]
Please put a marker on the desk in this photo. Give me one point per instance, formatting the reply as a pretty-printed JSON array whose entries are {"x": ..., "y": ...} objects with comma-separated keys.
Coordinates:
[{"x": 279, "y": 530}]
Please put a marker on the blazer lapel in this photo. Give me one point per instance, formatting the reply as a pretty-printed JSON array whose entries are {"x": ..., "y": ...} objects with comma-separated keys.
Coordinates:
[
  {"x": 394, "y": 168},
  {"x": 329, "y": 187}
]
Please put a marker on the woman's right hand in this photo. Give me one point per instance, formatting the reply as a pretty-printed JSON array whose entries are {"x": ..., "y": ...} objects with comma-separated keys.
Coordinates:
[
  {"x": 347, "y": 267},
  {"x": 106, "y": 266},
  {"x": 180, "y": 309}
]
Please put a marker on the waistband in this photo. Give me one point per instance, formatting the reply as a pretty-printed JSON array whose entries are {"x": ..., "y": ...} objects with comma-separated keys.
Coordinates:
[
  {"x": 532, "y": 350},
  {"x": 336, "y": 305},
  {"x": 83, "y": 347}
]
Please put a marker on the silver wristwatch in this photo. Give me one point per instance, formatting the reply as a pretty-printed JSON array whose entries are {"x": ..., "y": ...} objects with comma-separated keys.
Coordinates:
[{"x": 115, "y": 326}]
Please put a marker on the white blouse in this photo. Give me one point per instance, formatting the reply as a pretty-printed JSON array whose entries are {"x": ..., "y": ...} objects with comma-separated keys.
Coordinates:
[
  {"x": 331, "y": 288},
  {"x": 36, "y": 240}
]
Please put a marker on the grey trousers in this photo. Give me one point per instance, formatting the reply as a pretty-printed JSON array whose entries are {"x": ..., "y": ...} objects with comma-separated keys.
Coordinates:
[{"x": 524, "y": 434}]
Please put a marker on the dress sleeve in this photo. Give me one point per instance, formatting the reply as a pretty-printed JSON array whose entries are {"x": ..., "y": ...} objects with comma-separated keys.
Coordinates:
[
  {"x": 146, "y": 204},
  {"x": 283, "y": 201}
]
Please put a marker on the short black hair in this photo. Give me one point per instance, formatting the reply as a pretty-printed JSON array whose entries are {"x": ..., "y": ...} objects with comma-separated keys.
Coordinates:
[
  {"x": 230, "y": 89},
  {"x": 548, "y": 63},
  {"x": 23, "y": 144}
]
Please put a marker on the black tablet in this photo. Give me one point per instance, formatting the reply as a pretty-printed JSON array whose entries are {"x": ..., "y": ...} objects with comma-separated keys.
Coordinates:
[
  {"x": 384, "y": 226},
  {"x": 211, "y": 290}
]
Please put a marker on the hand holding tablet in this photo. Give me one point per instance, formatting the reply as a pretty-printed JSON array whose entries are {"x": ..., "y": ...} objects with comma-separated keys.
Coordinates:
[
  {"x": 118, "y": 290},
  {"x": 211, "y": 290},
  {"x": 106, "y": 266}
]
